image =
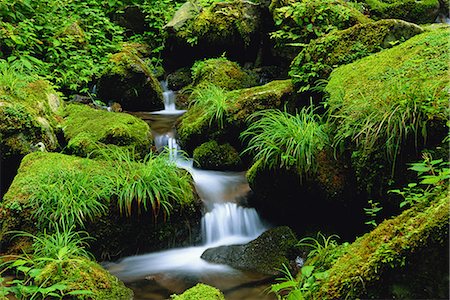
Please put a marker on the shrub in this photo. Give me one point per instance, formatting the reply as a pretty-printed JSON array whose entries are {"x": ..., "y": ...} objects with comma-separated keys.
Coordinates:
[{"x": 279, "y": 139}]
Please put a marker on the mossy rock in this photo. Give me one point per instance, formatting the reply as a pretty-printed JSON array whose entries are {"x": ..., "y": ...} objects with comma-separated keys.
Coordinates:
[
  {"x": 389, "y": 247},
  {"x": 299, "y": 22},
  {"x": 266, "y": 254},
  {"x": 194, "y": 129},
  {"x": 420, "y": 12},
  {"x": 179, "y": 79},
  {"x": 232, "y": 27},
  {"x": 321, "y": 56},
  {"x": 129, "y": 81},
  {"x": 115, "y": 233},
  {"x": 29, "y": 115},
  {"x": 212, "y": 156},
  {"x": 87, "y": 129},
  {"x": 81, "y": 274},
  {"x": 200, "y": 292},
  {"x": 407, "y": 85},
  {"x": 222, "y": 73}
]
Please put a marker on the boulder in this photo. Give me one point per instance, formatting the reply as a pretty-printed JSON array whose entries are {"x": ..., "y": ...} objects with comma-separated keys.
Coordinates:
[
  {"x": 129, "y": 81},
  {"x": 117, "y": 232},
  {"x": 179, "y": 79},
  {"x": 29, "y": 120},
  {"x": 420, "y": 12},
  {"x": 87, "y": 129},
  {"x": 321, "y": 56},
  {"x": 212, "y": 156},
  {"x": 194, "y": 129},
  {"x": 382, "y": 264},
  {"x": 200, "y": 292},
  {"x": 266, "y": 254},
  {"x": 81, "y": 274},
  {"x": 222, "y": 73},
  {"x": 232, "y": 27},
  {"x": 389, "y": 106}
]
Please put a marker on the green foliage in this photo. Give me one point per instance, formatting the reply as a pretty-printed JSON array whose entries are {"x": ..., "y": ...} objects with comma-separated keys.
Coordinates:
[
  {"x": 279, "y": 139},
  {"x": 302, "y": 21},
  {"x": 380, "y": 101},
  {"x": 59, "y": 248},
  {"x": 212, "y": 101},
  {"x": 200, "y": 292},
  {"x": 153, "y": 184},
  {"x": 433, "y": 178},
  {"x": 68, "y": 197},
  {"x": 372, "y": 212}
]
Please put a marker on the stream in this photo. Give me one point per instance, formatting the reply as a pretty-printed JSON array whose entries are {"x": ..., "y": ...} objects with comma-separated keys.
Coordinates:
[{"x": 158, "y": 275}]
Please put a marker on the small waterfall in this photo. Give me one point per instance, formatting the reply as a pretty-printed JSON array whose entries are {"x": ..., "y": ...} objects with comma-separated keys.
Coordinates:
[{"x": 225, "y": 222}]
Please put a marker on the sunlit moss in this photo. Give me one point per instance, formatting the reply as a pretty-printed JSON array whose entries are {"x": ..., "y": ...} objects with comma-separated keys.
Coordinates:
[{"x": 200, "y": 292}]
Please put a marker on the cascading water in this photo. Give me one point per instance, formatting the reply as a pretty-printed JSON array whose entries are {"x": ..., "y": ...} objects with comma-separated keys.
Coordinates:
[{"x": 225, "y": 222}]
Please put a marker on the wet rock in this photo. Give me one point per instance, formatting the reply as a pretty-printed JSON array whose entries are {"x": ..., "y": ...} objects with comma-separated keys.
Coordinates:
[
  {"x": 179, "y": 79},
  {"x": 130, "y": 82},
  {"x": 212, "y": 156},
  {"x": 318, "y": 59},
  {"x": 265, "y": 254}
]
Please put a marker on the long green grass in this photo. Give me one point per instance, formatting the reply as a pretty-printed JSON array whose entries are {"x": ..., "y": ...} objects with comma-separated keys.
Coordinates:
[
  {"x": 212, "y": 101},
  {"x": 154, "y": 184},
  {"x": 279, "y": 139}
]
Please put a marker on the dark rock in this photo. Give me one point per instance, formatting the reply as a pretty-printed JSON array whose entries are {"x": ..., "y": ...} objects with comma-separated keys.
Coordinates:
[
  {"x": 179, "y": 79},
  {"x": 132, "y": 19},
  {"x": 212, "y": 156},
  {"x": 265, "y": 254},
  {"x": 129, "y": 81}
]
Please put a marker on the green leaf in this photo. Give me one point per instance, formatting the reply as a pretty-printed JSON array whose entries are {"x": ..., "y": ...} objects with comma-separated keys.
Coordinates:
[
  {"x": 295, "y": 295},
  {"x": 419, "y": 168},
  {"x": 80, "y": 292},
  {"x": 307, "y": 270},
  {"x": 431, "y": 180},
  {"x": 284, "y": 285}
]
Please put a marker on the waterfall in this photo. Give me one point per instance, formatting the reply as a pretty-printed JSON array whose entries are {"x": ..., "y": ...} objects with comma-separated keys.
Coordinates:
[{"x": 225, "y": 221}]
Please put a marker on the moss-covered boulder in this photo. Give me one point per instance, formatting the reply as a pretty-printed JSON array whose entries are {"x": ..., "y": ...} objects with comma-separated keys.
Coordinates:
[
  {"x": 179, "y": 79},
  {"x": 390, "y": 250},
  {"x": 96, "y": 189},
  {"x": 222, "y": 73},
  {"x": 212, "y": 156},
  {"x": 321, "y": 56},
  {"x": 232, "y": 27},
  {"x": 87, "y": 129},
  {"x": 200, "y": 292},
  {"x": 195, "y": 127},
  {"x": 420, "y": 12},
  {"x": 129, "y": 81},
  {"x": 81, "y": 274},
  {"x": 29, "y": 119},
  {"x": 389, "y": 106},
  {"x": 266, "y": 254},
  {"x": 299, "y": 22}
]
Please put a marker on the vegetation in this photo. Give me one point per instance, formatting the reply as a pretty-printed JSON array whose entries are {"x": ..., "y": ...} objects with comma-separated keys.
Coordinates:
[
  {"x": 302, "y": 21},
  {"x": 86, "y": 129},
  {"x": 403, "y": 94},
  {"x": 199, "y": 292},
  {"x": 212, "y": 156},
  {"x": 281, "y": 140}
]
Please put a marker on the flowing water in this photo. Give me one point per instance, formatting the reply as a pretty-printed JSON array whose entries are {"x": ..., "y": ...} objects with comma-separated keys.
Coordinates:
[{"x": 158, "y": 275}]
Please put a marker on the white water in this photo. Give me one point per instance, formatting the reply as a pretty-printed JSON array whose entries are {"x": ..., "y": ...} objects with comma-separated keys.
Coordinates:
[{"x": 224, "y": 223}]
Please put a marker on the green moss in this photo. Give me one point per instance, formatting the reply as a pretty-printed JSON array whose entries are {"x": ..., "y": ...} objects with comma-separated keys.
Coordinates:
[
  {"x": 222, "y": 73},
  {"x": 129, "y": 81},
  {"x": 387, "y": 247},
  {"x": 87, "y": 129},
  {"x": 212, "y": 156},
  {"x": 321, "y": 56},
  {"x": 221, "y": 23},
  {"x": 194, "y": 128},
  {"x": 382, "y": 100},
  {"x": 424, "y": 11},
  {"x": 82, "y": 274},
  {"x": 29, "y": 110},
  {"x": 200, "y": 292}
]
